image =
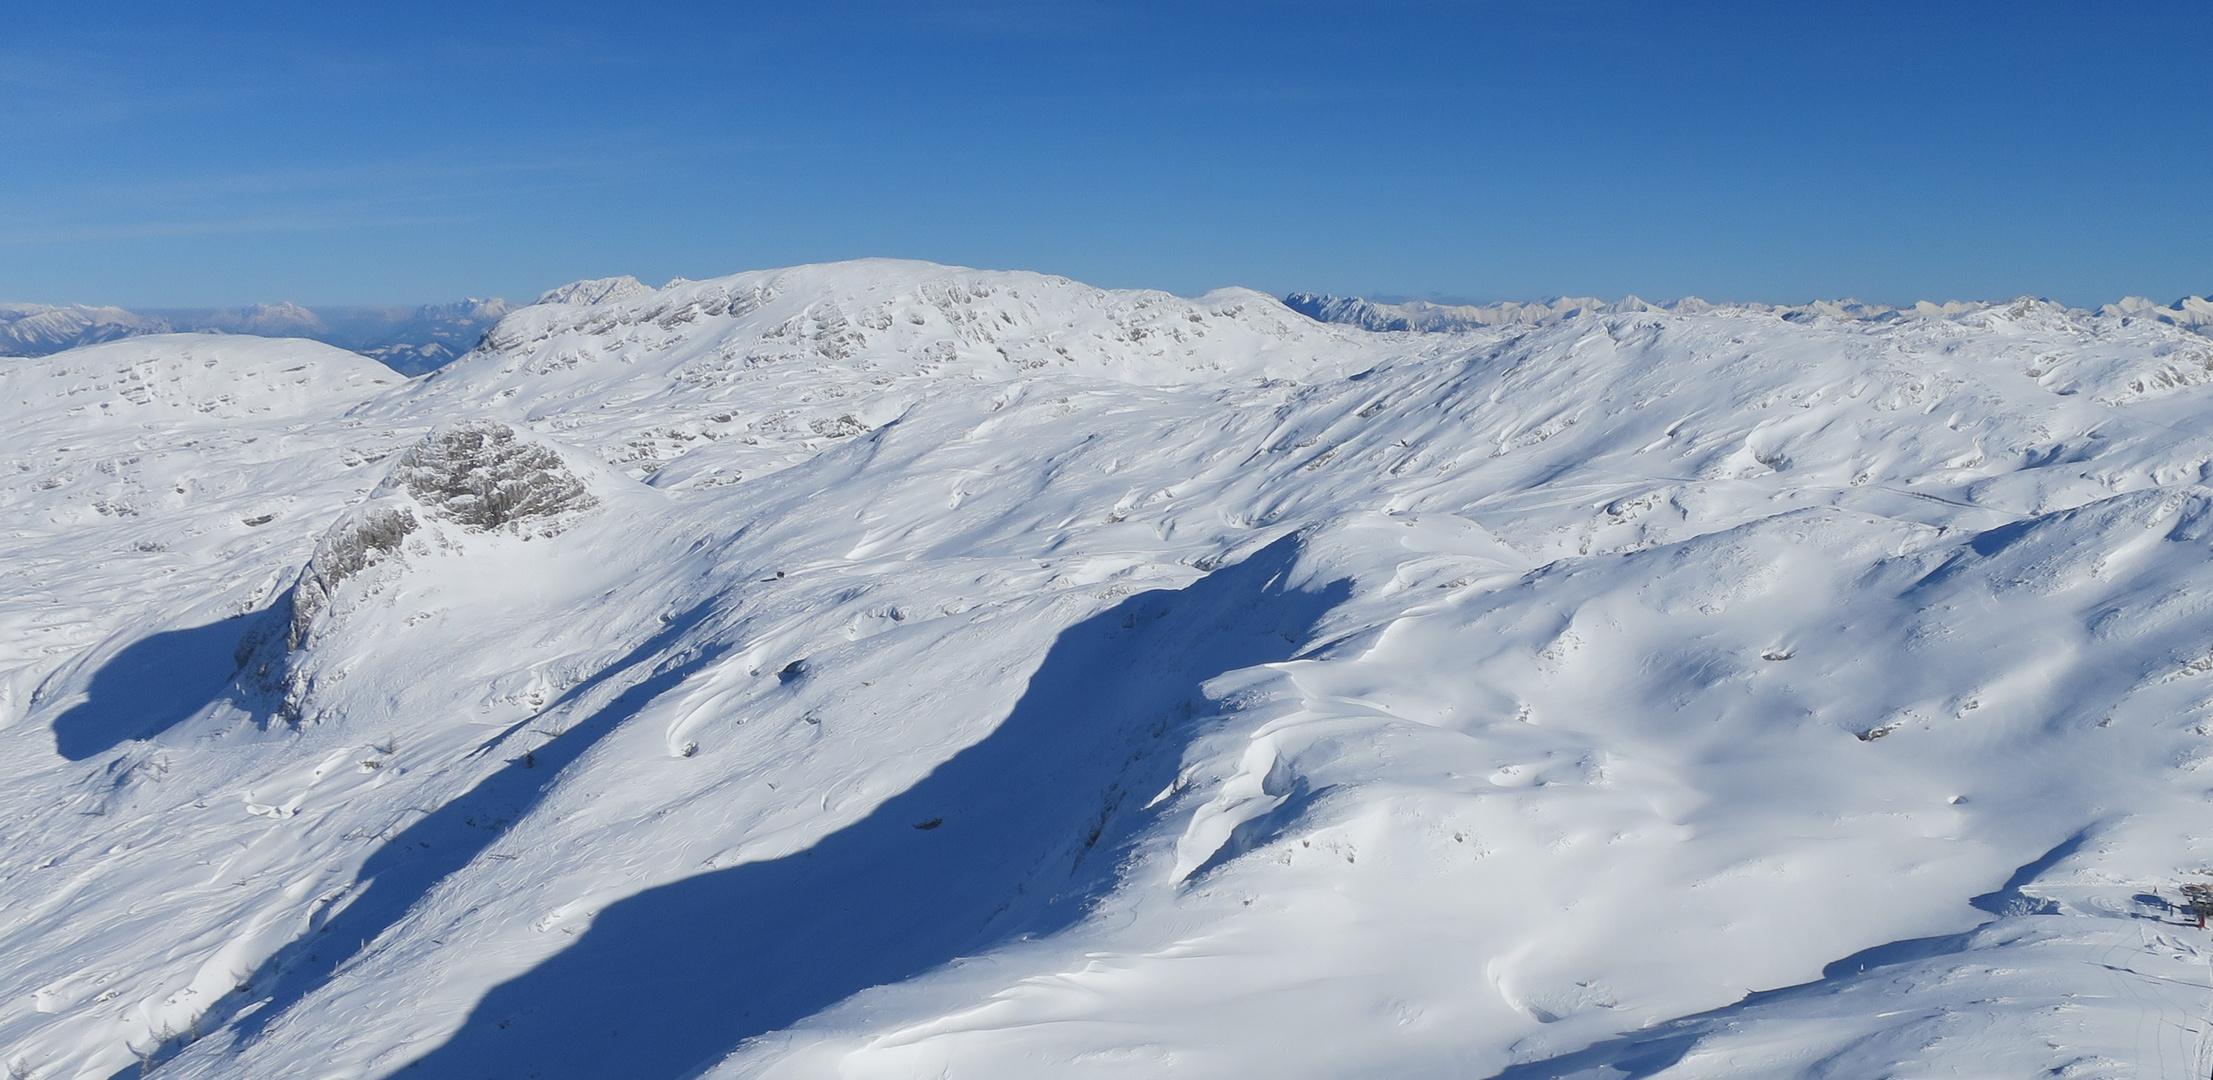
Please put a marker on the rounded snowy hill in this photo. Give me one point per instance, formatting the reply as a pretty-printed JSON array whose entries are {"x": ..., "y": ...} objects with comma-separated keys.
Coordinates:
[
  {"x": 784, "y": 361},
  {"x": 881, "y": 669},
  {"x": 900, "y": 316},
  {"x": 159, "y": 379}
]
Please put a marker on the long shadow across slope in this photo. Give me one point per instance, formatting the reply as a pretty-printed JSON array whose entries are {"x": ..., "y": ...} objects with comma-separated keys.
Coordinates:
[
  {"x": 409, "y": 865},
  {"x": 1642, "y": 1054},
  {"x": 1015, "y": 835}
]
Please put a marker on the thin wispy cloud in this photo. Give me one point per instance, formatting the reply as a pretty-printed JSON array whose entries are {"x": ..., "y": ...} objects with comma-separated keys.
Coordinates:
[
  {"x": 392, "y": 193},
  {"x": 156, "y": 230}
]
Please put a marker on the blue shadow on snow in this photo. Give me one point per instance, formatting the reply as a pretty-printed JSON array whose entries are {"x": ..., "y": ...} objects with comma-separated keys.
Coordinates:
[
  {"x": 151, "y": 686},
  {"x": 1017, "y": 835},
  {"x": 409, "y": 865},
  {"x": 1639, "y": 1055},
  {"x": 454, "y": 835}
]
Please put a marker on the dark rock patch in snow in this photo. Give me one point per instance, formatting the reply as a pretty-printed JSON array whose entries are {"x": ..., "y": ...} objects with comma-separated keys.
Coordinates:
[
  {"x": 347, "y": 550},
  {"x": 479, "y": 475}
]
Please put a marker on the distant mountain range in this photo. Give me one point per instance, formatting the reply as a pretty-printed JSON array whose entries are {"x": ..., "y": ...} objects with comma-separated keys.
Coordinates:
[
  {"x": 1421, "y": 316},
  {"x": 408, "y": 340},
  {"x": 417, "y": 340}
]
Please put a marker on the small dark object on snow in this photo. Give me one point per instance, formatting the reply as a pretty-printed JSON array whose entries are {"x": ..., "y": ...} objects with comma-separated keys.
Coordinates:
[
  {"x": 792, "y": 671},
  {"x": 930, "y": 824},
  {"x": 2200, "y": 898}
]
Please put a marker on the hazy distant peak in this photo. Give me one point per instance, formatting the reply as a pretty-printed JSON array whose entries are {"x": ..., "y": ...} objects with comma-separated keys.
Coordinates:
[
  {"x": 408, "y": 340},
  {"x": 2191, "y": 311},
  {"x": 471, "y": 307},
  {"x": 280, "y": 319},
  {"x": 1948, "y": 307},
  {"x": 38, "y": 329}
]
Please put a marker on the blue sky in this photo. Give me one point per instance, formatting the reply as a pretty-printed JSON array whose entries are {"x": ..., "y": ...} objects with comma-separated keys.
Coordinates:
[{"x": 162, "y": 154}]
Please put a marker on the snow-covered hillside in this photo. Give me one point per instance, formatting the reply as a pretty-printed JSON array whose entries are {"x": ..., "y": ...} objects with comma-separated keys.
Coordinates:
[
  {"x": 1422, "y": 316},
  {"x": 882, "y": 669}
]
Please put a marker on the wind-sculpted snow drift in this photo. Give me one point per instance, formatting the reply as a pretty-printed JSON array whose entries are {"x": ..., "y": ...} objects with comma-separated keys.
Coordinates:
[{"x": 887, "y": 670}]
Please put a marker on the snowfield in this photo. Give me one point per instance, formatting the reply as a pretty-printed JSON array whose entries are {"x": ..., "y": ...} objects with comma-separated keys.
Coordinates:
[{"x": 887, "y": 670}]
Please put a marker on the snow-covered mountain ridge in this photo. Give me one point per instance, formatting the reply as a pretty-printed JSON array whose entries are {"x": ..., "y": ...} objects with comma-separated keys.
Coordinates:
[
  {"x": 39, "y": 329},
  {"x": 1422, "y": 316},
  {"x": 884, "y": 669}
]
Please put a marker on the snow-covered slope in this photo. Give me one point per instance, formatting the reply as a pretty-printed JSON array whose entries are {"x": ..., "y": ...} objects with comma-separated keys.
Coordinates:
[
  {"x": 883, "y": 670},
  {"x": 1422, "y": 316}
]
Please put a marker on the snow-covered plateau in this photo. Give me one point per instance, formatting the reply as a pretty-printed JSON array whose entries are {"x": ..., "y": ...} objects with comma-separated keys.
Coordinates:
[{"x": 887, "y": 670}]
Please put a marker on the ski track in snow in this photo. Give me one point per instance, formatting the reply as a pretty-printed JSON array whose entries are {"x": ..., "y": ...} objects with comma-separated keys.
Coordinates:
[{"x": 888, "y": 670}]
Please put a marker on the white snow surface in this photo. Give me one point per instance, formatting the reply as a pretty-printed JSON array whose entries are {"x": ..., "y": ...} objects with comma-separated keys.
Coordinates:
[
  {"x": 882, "y": 669},
  {"x": 1422, "y": 316}
]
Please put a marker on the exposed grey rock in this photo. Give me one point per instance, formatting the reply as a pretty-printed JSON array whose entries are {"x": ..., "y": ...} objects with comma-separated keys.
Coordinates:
[
  {"x": 477, "y": 474},
  {"x": 343, "y": 552}
]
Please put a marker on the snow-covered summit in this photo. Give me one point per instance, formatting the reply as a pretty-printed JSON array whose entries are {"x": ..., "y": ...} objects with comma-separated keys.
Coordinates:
[
  {"x": 596, "y": 291},
  {"x": 877, "y": 313},
  {"x": 778, "y": 364},
  {"x": 887, "y": 669}
]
